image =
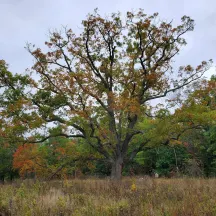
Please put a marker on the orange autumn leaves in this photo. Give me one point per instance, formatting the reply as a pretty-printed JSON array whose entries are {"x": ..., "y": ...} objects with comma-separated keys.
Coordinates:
[
  {"x": 28, "y": 160},
  {"x": 34, "y": 159},
  {"x": 24, "y": 159}
]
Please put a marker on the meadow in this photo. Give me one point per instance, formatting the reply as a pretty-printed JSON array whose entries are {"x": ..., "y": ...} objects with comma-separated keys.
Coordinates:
[{"x": 98, "y": 197}]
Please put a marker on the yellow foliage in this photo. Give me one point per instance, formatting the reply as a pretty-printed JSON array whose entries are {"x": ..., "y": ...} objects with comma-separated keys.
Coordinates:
[{"x": 133, "y": 187}]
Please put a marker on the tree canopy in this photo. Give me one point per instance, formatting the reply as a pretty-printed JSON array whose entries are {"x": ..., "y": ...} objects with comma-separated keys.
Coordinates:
[{"x": 98, "y": 85}]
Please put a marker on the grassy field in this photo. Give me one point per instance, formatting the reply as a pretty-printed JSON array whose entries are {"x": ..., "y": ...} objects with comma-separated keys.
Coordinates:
[{"x": 131, "y": 196}]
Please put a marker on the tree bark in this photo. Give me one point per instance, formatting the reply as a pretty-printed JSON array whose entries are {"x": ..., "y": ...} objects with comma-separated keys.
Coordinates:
[{"x": 116, "y": 172}]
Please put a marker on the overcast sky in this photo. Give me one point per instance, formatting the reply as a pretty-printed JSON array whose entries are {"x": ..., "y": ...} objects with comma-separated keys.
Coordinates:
[{"x": 29, "y": 21}]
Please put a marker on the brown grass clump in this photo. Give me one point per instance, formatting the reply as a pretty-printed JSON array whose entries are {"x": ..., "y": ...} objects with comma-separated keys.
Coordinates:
[{"x": 150, "y": 197}]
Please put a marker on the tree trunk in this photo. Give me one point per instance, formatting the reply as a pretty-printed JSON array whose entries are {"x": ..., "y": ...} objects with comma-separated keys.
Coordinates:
[
  {"x": 116, "y": 172},
  {"x": 2, "y": 180}
]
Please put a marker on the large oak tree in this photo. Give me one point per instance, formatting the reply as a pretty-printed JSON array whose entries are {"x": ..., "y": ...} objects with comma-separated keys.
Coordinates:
[{"x": 98, "y": 85}]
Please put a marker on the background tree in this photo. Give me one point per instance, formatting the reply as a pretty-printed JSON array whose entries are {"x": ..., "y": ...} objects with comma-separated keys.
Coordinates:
[
  {"x": 57, "y": 157},
  {"x": 165, "y": 160},
  {"x": 98, "y": 85},
  {"x": 200, "y": 109},
  {"x": 6, "y": 162}
]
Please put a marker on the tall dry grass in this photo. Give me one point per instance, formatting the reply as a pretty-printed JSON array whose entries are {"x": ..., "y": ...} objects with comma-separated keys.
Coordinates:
[{"x": 104, "y": 197}]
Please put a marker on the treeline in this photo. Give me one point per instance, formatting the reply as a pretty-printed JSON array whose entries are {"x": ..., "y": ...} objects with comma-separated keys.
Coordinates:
[{"x": 194, "y": 155}]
